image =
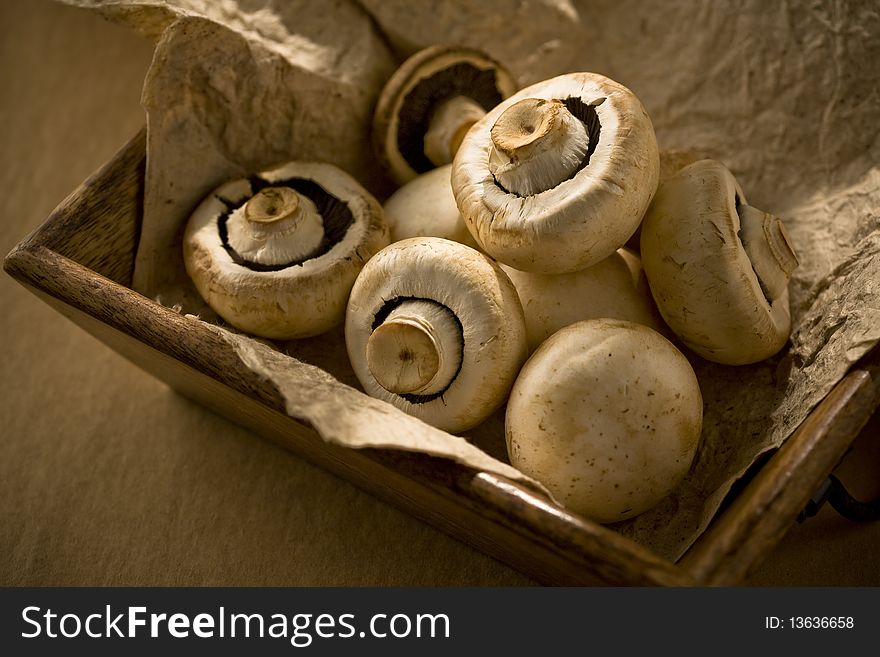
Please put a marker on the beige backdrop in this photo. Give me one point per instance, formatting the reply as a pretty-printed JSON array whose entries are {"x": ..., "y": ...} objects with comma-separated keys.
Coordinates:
[{"x": 108, "y": 478}]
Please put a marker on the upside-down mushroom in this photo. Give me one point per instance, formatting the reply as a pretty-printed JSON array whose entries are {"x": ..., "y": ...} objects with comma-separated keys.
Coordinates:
[
  {"x": 276, "y": 254},
  {"x": 436, "y": 328},
  {"x": 558, "y": 176},
  {"x": 430, "y": 102}
]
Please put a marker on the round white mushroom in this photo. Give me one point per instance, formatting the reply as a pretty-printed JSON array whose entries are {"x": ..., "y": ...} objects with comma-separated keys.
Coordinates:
[
  {"x": 425, "y": 207},
  {"x": 436, "y": 328},
  {"x": 614, "y": 288},
  {"x": 718, "y": 268},
  {"x": 558, "y": 176},
  {"x": 276, "y": 254},
  {"x": 607, "y": 414},
  {"x": 429, "y": 104}
]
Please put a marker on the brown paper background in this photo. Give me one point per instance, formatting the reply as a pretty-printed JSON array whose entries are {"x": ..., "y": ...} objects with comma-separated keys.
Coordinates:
[{"x": 108, "y": 478}]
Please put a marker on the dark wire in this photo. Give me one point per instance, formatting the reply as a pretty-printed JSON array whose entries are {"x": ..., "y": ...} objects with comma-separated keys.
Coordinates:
[
  {"x": 849, "y": 507},
  {"x": 834, "y": 492}
]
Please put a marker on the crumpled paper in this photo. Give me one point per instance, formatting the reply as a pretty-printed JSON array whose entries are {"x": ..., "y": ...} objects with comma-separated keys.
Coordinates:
[
  {"x": 238, "y": 87},
  {"x": 533, "y": 39},
  {"x": 315, "y": 397},
  {"x": 785, "y": 94}
]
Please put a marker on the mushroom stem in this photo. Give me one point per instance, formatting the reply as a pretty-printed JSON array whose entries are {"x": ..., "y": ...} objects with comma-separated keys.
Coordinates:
[
  {"x": 448, "y": 126},
  {"x": 271, "y": 204},
  {"x": 417, "y": 349},
  {"x": 536, "y": 145},
  {"x": 768, "y": 247},
  {"x": 276, "y": 226}
]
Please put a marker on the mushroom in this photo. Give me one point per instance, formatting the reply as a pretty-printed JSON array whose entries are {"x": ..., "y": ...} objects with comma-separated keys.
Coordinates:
[
  {"x": 430, "y": 102},
  {"x": 615, "y": 288},
  {"x": 718, "y": 268},
  {"x": 607, "y": 414},
  {"x": 436, "y": 329},
  {"x": 558, "y": 176},
  {"x": 276, "y": 254},
  {"x": 671, "y": 162},
  {"x": 425, "y": 207}
]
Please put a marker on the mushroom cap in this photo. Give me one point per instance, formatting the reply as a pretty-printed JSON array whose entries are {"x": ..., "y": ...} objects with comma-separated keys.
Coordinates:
[
  {"x": 301, "y": 299},
  {"x": 700, "y": 274},
  {"x": 581, "y": 220},
  {"x": 607, "y": 414},
  {"x": 425, "y": 207},
  {"x": 421, "y": 83},
  {"x": 480, "y": 295},
  {"x": 671, "y": 162},
  {"x": 614, "y": 288}
]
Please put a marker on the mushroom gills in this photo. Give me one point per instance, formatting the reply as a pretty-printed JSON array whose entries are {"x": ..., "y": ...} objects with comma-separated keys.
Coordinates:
[
  {"x": 427, "y": 97},
  {"x": 416, "y": 351},
  {"x": 766, "y": 242},
  {"x": 334, "y": 215}
]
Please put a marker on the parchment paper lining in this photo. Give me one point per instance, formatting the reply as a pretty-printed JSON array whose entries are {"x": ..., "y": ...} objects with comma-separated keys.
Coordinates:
[{"x": 345, "y": 416}]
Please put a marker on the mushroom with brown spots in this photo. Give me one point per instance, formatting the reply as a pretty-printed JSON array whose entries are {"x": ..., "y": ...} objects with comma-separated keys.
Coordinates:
[
  {"x": 558, "y": 176},
  {"x": 276, "y": 254},
  {"x": 607, "y": 415},
  {"x": 436, "y": 328},
  {"x": 718, "y": 268}
]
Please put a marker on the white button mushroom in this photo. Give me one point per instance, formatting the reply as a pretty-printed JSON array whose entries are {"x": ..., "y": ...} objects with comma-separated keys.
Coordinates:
[
  {"x": 436, "y": 329},
  {"x": 431, "y": 101},
  {"x": 718, "y": 268},
  {"x": 275, "y": 255},
  {"x": 614, "y": 288},
  {"x": 607, "y": 415},
  {"x": 536, "y": 144},
  {"x": 558, "y": 176},
  {"x": 425, "y": 207},
  {"x": 671, "y": 162}
]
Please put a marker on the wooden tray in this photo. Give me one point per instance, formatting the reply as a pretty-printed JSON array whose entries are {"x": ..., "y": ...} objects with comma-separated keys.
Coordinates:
[{"x": 80, "y": 262}]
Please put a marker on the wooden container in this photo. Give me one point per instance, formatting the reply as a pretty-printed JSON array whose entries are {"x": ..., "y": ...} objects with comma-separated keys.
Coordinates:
[{"x": 80, "y": 262}]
